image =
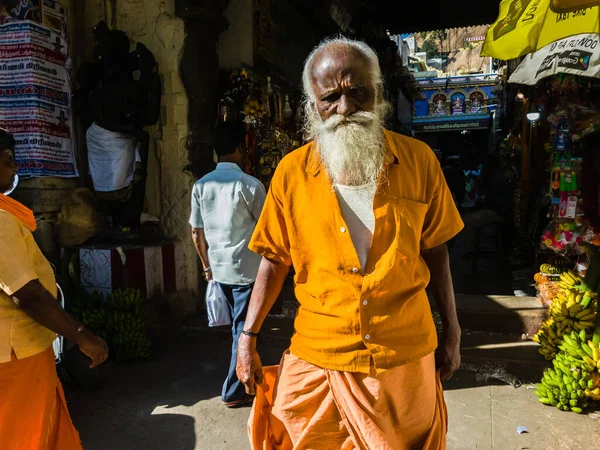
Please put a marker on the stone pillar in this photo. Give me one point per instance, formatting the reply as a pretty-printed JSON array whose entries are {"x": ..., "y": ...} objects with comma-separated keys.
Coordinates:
[{"x": 199, "y": 69}]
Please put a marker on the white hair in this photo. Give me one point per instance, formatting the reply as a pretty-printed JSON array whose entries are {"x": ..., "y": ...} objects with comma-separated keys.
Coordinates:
[{"x": 364, "y": 49}]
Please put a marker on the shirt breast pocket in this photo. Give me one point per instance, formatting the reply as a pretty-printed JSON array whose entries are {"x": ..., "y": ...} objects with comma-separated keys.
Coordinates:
[{"x": 410, "y": 218}]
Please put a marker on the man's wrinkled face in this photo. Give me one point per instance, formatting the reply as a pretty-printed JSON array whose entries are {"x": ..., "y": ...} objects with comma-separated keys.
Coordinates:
[
  {"x": 341, "y": 82},
  {"x": 346, "y": 116},
  {"x": 8, "y": 170}
]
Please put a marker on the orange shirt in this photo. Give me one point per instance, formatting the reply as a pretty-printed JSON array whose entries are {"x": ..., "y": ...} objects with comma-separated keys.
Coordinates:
[
  {"x": 348, "y": 316},
  {"x": 21, "y": 261}
]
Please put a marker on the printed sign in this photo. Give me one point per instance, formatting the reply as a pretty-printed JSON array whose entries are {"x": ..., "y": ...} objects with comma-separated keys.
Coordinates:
[
  {"x": 35, "y": 99},
  {"x": 424, "y": 127},
  {"x": 577, "y": 55}
]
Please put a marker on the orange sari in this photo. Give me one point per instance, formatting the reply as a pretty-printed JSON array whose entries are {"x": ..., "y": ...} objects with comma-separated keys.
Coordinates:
[
  {"x": 301, "y": 406},
  {"x": 33, "y": 410}
]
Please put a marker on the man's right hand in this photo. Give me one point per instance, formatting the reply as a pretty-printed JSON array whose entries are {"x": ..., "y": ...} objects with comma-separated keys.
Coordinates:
[
  {"x": 93, "y": 347},
  {"x": 249, "y": 367}
]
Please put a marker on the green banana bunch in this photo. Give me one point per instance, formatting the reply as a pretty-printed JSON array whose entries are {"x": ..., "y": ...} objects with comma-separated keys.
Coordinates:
[
  {"x": 582, "y": 354},
  {"x": 120, "y": 320},
  {"x": 126, "y": 299},
  {"x": 580, "y": 348},
  {"x": 565, "y": 385}
]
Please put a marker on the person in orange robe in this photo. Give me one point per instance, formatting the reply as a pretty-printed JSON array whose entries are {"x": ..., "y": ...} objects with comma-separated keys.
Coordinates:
[
  {"x": 33, "y": 410},
  {"x": 363, "y": 215}
]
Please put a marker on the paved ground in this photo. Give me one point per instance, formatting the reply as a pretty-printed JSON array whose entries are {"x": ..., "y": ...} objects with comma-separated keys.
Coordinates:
[{"x": 172, "y": 403}]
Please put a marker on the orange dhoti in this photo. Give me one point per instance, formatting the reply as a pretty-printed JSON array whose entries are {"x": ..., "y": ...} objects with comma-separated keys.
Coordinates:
[
  {"x": 301, "y": 406},
  {"x": 33, "y": 410}
]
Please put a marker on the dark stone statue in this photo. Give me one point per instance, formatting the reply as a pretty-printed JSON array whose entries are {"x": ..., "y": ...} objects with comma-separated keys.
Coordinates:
[{"x": 119, "y": 91}]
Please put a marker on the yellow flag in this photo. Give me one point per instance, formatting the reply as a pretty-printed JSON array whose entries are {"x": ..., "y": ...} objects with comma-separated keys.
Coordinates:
[
  {"x": 561, "y": 25},
  {"x": 524, "y": 26},
  {"x": 516, "y": 31}
]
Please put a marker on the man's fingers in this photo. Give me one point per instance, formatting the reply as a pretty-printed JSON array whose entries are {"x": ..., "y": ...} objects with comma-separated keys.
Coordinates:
[
  {"x": 445, "y": 375},
  {"x": 95, "y": 362},
  {"x": 258, "y": 376},
  {"x": 446, "y": 371},
  {"x": 250, "y": 387}
]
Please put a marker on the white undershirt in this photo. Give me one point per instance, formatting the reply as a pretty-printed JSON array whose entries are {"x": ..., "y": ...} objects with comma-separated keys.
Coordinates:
[{"x": 356, "y": 203}]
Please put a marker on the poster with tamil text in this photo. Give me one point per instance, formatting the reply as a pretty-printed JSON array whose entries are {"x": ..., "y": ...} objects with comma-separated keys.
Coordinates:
[{"x": 35, "y": 99}]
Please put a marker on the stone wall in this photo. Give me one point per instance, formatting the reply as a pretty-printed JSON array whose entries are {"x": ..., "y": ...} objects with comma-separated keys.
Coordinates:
[{"x": 153, "y": 23}]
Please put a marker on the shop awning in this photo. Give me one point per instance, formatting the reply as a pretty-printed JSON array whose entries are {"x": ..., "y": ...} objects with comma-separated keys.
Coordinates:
[
  {"x": 451, "y": 123},
  {"x": 576, "y": 55}
]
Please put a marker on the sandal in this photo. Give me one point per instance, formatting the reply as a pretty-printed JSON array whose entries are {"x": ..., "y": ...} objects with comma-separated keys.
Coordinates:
[{"x": 246, "y": 401}]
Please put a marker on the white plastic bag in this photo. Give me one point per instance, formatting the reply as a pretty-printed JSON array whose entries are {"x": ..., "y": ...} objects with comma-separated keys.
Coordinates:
[{"x": 217, "y": 307}]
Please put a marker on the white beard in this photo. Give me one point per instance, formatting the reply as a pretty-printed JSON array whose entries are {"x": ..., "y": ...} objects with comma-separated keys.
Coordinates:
[{"x": 352, "y": 148}]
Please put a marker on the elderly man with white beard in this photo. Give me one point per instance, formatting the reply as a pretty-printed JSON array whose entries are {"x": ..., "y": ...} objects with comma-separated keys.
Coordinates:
[{"x": 363, "y": 215}]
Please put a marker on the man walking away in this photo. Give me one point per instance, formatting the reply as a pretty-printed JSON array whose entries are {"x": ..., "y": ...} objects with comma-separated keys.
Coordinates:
[{"x": 226, "y": 205}]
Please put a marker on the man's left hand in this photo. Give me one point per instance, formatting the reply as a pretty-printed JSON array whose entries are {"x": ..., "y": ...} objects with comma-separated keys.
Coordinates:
[{"x": 447, "y": 356}]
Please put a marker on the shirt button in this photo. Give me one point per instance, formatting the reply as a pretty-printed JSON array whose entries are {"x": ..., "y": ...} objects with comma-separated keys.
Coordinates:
[
  {"x": 365, "y": 302},
  {"x": 343, "y": 229},
  {"x": 367, "y": 336},
  {"x": 355, "y": 270}
]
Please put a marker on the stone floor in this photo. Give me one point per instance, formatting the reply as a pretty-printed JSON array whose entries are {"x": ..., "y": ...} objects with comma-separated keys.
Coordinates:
[{"x": 172, "y": 403}]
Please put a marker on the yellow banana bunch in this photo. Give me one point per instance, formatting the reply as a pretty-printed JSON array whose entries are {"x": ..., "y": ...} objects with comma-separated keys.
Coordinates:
[
  {"x": 574, "y": 310},
  {"x": 594, "y": 391},
  {"x": 569, "y": 280},
  {"x": 593, "y": 351},
  {"x": 550, "y": 269},
  {"x": 571, "y": 310},
  {"x": 548, "y": 339}
]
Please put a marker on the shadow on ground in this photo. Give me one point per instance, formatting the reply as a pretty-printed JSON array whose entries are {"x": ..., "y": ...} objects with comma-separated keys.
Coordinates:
[
  {"x": 172, "y": 403},
  {"x": 152, "y": 405}
]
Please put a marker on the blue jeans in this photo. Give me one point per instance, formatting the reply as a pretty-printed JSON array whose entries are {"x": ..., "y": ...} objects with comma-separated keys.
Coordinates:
[{"x": 238, "y": 298}]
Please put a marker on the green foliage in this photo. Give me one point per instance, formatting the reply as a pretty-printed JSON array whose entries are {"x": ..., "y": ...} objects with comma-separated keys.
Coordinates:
[
  {"x": 430, "y": 47},
  {"x": 439, "y": 35}
]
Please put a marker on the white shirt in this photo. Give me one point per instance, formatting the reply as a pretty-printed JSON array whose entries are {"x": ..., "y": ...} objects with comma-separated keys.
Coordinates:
[
  {"x": 356, "y": 203},
  {"x": 227, "y": 203}
]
